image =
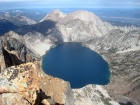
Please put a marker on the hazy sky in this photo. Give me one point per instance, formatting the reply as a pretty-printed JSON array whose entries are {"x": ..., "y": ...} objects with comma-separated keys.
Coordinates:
[{"x": 71, "y": 3}]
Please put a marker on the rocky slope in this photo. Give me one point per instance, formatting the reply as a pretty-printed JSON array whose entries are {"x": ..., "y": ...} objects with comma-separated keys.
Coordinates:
[
  {"x": 92, "y": 95},
  {"x": 121, "y": 51}
]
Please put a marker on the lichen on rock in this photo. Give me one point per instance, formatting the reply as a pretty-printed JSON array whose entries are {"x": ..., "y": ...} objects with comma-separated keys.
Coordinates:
[{"x": 30, "y": 83}]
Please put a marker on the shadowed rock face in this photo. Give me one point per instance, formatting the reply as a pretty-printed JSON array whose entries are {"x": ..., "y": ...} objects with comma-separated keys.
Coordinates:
[
  {"x": 14, "y": 50},
  {"x": 41, "y": 27},
  {"x": 10, "y": 59},
  {"x": 47, "y": 27},
  {"x": 6, "y": 26},
  {"x": 8, "y": 23}
]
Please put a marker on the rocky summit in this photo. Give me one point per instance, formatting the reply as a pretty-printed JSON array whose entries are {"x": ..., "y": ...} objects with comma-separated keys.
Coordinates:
[
  {"x": 78, "y": 25},
  {"x": 23, "y": 82}
]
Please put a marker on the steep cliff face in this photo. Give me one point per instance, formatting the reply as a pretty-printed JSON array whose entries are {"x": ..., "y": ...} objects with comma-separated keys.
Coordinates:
[{"x": 14, "y": 50}]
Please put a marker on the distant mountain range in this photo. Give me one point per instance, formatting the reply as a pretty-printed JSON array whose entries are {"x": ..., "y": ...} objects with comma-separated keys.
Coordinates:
[{"x": 17, "y": 20}]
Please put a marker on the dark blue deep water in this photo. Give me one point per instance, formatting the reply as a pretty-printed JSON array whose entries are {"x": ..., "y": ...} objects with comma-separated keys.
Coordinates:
[{"x": 77, "y": 64}]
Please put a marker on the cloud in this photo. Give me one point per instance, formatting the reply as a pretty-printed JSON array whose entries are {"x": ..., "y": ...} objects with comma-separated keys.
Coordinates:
[{"x": 76, "y": 3}]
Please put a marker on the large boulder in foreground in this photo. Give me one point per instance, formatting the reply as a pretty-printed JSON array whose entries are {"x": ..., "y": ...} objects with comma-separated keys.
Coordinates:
[
  {"x": 20, "y": 79},
  {"x": 27, "y": 84}
]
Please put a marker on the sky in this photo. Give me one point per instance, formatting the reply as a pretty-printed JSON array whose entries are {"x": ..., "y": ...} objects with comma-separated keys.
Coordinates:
[{"x": 69, "y": 3}]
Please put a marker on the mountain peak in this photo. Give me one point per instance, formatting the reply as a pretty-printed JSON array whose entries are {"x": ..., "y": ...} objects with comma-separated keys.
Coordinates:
[
  {"x": 56, "y": 11},
  {"x": 85, "y": 23},
  {"x": 54, "y": 15},
  {"x": 59, "y": 13},
  {"x": 84, "y": 15}
]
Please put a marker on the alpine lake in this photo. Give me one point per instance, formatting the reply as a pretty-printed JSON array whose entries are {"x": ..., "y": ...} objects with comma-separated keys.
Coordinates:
[{"x": 76, "y": 64}]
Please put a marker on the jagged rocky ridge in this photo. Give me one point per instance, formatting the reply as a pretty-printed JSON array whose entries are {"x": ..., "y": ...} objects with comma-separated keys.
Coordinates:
[{"x": 118, "y": 45}]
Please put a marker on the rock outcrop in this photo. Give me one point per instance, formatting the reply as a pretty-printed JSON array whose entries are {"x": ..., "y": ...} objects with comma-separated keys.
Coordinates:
[
  {"x": 21, "y": 79},
  {"x": 59, "y": 90},
  {"x": 28, "y": 84},
  {"x": 14, "y": 50}
]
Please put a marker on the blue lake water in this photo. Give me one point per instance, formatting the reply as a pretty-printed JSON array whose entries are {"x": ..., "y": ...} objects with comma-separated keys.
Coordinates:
[{"x": 77, "y": 64}]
